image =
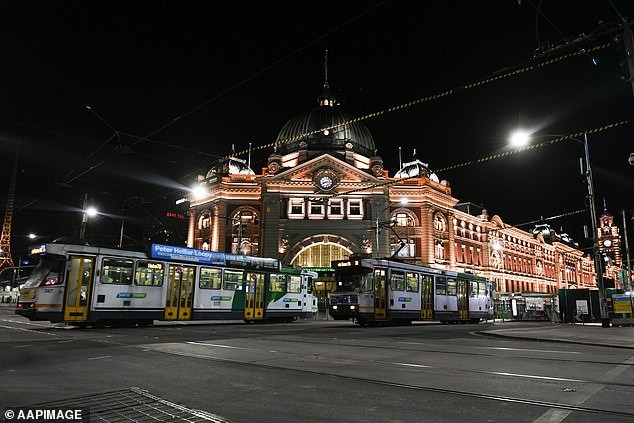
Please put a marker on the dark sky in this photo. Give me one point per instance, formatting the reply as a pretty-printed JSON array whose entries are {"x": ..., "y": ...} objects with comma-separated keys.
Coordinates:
[{"x": 128, "y": 101}]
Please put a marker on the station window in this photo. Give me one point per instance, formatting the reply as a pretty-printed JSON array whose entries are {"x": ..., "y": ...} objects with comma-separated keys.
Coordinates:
[
  {"x": 441, "y": 285},
  {"x": 149, "y": 273},
  {"x": 412, "y": 282},
  {"x": 232, "y": 280},
  {"x": 336, "y": 208},
  {"x": 295, "y": 284},
  {"x": 210, "y": 278},
  {"x": 403, "y": 219},
  {"x": 316, "y": 209},
  {"x": 296, "y": 207},
  {"x": 397, "y": 280},
  {"x": 354, "y": 209},
  {"x": 277, "y": 283},
  {"x": 117, "y": 271}
]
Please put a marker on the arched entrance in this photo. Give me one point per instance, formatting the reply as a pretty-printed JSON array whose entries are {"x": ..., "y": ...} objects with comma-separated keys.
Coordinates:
[{"x": 317, "y": 253}]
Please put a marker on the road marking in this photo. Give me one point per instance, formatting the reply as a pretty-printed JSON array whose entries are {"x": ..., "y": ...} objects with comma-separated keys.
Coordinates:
[
  {"x": 412, "y": 365},
  {"x": 561, "y": 379},
  {"x": 557, "y": 416},
  {"x": 216, "y": 345},
  {"x": 29, "y": 330},
  {"x": 527, "y": 350},
  {"x": 99, "y": 358},
  {"x": 536, "y": 377},
  {"x": 21, "y": 346}
]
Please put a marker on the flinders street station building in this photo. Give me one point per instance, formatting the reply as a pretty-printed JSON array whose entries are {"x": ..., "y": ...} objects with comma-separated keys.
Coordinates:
[{"x": 326, "y": 195}]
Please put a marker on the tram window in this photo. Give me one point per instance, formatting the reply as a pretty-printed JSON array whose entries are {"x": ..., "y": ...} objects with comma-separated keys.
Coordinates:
[
  {"x": 412, "y": 282},
  {"x": 277, "y": 283},
  {"x": 149, "y": 273},
  {"x": 210, "y": 278},
  {"x": 295, "y": 284},
  {"x": 482, "y": 292},
  {"x": 117, "y": 271},
  {"x": 452, "y": 287},
  {"x": 232, "y": 280},
  {"x": 397, "y": 281},
  {"x": 441, "y": 285},
  {"x": 309, "y": 288},
  {"x": 473, "y": 292}
]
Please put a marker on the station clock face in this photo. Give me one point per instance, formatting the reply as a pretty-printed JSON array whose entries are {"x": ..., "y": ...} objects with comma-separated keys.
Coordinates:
[
  {"x": 607, "y": 243},
  {"x": 326, "y": 179},
  {"x": 326, "y": 182}
]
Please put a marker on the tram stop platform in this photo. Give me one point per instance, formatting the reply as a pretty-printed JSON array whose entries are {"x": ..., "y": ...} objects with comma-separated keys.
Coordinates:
[{"x": 587, "y": 334}]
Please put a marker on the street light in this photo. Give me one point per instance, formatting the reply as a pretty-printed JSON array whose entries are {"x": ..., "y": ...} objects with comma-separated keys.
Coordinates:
[{"x": 605, "y": 320}]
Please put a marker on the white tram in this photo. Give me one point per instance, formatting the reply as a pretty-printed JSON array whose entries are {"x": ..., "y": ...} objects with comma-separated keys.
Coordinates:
[
  {"x": 376, "y": 291},
  {"x": 85, "y": 285}
]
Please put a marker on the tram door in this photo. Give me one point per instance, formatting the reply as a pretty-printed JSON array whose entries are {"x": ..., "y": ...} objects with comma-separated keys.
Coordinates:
[
  {"x": 254, "y": 296},
  {"x": 463, "y": 299},
  {"x": 426, "y": 297},
  {"x": 180, "y": 286},
  {"x": 380, "y": 294},
  {"x": 79, "y": 274}
]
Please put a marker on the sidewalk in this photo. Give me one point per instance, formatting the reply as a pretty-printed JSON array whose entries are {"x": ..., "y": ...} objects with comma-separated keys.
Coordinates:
[{"x": 588, "y": 334}]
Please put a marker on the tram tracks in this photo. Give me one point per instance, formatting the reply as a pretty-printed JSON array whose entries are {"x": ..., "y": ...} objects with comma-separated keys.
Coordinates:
[{"x": 416, "y": 387}]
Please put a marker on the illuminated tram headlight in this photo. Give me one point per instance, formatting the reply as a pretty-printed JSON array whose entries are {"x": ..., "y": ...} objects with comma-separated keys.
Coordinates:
[
  {"x": 352, "y": 307},
  {"x": 334, "y": 307}
]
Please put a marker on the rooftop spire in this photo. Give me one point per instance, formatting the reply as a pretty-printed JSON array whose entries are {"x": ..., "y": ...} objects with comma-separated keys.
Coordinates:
[
  {"x": 326, "y": 98},
  {"x": 326, "y": 69}
]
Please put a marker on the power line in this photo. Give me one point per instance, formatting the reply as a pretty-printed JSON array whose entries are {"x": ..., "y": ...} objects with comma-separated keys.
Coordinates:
[{"x": 429, "y": 98}]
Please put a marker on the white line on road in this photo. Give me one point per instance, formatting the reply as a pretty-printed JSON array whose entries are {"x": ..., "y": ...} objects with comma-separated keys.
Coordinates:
[
  {"x": 527, "y": 350},
  {"x": 29, "y": 330},
  {"x": 216, "y": 345},
  {"x": 101, "y": 357},
  {"x": 536, "y": 377},
  {"x": 412, "y": 365}
]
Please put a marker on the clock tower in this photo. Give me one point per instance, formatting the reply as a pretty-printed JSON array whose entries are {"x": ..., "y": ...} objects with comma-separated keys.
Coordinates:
[{"x": 609, "y": 238}]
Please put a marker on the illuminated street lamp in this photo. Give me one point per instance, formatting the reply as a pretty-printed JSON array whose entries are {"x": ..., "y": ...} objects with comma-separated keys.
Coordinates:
[
  {"x": 86, "y": 213},
  {"x": 587, "y": 172}
]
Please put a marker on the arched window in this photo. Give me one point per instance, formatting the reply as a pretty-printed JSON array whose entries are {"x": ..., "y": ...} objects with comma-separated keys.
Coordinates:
[
  {"x": 403, "y": 218},
  {"x": 245, "y": 232},
  {"x": 440, "y": 223},
  {"x": 320, "y": 255},
  {"x": 204, "y": 221}
]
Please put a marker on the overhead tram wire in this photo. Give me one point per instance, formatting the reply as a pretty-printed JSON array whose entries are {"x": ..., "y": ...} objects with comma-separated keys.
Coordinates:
[
  {"x": 566, "y": 214},
  {"x": 569, "y": 137},
  {"x": 403, "y": 106}
]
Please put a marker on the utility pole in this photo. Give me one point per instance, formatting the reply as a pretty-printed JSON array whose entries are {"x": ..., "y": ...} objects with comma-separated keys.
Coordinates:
[
  {"x": 605, "y": 320},
  {"x": 627, "y": 255},
  {"x": 628, "y": 41}
]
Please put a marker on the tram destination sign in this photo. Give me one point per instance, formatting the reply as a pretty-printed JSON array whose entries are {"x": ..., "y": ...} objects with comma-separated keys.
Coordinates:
[{"x": 192, "y": 255}]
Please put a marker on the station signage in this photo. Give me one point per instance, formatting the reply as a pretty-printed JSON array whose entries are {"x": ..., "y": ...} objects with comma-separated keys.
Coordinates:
[{"x": 192, "y": 255}]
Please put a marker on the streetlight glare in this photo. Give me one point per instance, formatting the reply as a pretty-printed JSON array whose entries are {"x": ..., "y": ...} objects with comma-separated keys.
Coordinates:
[
  {"x": 198, "y": 191},
  {"x": 519, "y": 138},
  {"x": 91, "y": 211}
]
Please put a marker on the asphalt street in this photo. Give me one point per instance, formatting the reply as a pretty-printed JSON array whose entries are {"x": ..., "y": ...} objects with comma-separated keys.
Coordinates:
[{"x": 328, "y": 371}]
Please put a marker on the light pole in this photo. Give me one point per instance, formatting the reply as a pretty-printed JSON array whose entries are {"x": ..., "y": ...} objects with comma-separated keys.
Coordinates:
[
  {"x": 605, "y": 320},
  {"x": 86, "y": 212},
  {"x": 521, "y": 138},
  {"x": 403, "y": 201}
]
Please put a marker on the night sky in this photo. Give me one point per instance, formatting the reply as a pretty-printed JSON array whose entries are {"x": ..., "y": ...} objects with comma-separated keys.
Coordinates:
[{"x": 128, "y": 101}]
